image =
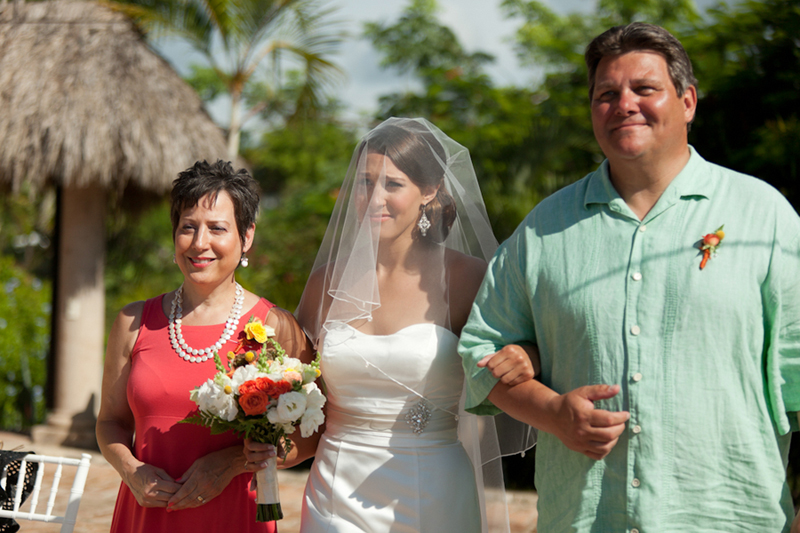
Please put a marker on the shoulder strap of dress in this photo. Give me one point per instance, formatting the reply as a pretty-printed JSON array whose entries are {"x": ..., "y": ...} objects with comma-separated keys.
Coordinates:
[
  {"x": 150, "y": 312},
  {"x": 148, "y": 322},
  {"x": 269, "y": 305}
]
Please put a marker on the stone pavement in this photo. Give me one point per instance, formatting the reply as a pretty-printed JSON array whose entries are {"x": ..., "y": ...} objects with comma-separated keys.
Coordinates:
[{"x": 103, "y": 482}]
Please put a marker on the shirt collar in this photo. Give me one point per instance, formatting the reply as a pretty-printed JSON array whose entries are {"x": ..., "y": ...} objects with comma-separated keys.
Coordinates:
[{"x": 691, "y": 181}]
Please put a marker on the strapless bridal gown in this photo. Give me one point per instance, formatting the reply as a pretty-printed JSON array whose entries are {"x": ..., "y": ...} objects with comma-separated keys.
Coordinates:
[{"x": 372, "y": 471}]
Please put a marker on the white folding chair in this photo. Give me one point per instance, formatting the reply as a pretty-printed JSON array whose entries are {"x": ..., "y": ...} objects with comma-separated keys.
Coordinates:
[{"x": 67, "y": 520}]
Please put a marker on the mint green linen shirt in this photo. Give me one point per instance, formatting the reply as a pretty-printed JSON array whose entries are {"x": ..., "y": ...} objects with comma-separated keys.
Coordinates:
[{"x": 708, "y": 360}]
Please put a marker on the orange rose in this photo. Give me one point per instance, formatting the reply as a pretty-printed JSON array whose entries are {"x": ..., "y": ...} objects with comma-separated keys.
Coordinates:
[
  {"x": 254, "y": 402},
  {"x": 249, "y": 387},
  {"x": 264, "y": 384},
  {"x": 280, "y": 387}
]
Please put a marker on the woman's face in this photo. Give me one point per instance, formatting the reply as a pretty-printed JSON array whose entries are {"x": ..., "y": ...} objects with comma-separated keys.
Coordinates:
[
  {"x": 207, "y": 243},
  {"x": 388, "y": 197}
]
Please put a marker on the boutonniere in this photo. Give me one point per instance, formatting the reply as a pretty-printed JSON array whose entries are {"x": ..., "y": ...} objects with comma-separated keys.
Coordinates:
[{"x": 709, "y": 244}]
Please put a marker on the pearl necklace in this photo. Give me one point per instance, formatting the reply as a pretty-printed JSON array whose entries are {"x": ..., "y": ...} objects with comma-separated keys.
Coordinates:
[{"x": 176, "y": 338}]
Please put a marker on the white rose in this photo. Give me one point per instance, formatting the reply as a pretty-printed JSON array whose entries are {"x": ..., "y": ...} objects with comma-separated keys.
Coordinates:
[
  {"x": 310, "y": 421},
  {"x": 314, "y": 397},
  {"x": 291, "y": 406}
]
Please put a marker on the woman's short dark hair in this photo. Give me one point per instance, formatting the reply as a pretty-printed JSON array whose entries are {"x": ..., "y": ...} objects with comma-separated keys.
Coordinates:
[
  {"x": 210, "y": 179},
  {"x": 640, "y": 36},
  {"x": 416, "y": 152}
]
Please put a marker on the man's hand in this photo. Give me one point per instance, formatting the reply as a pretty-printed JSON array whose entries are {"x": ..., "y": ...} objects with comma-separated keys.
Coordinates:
[
  {"x": 581, "y": 427},
  {"x": 796, "y": 523},
  {"x": 513, "y": 364}
]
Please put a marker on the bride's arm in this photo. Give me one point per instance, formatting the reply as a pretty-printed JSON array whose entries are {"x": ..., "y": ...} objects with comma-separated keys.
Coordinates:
[{"x": 515, "y": 363}]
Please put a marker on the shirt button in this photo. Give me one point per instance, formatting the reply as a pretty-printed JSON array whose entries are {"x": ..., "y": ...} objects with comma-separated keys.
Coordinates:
[
  {"x": 635, "y": 330},
  {"x": 637, "y": 376},
  {"x": 637, "y": 429},
  {"x": 635, "y": 482},
  {"x": 637, "y": 276},
  {"x": 642, "y": 228}
]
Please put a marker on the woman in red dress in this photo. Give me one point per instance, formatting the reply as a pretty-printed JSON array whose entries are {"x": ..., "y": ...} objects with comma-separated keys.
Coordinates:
[{"x": 178, "y": 477}]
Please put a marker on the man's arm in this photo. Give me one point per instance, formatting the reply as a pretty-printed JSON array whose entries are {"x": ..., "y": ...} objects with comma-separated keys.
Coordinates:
[{"x": 571, "y": 417}]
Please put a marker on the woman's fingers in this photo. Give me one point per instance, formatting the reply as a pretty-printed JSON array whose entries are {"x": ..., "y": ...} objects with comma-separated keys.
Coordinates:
[{"x": 256, "y": 454}]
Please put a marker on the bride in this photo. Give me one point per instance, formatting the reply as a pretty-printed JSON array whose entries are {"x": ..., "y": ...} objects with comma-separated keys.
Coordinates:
[{"x": 393, "y": 284}]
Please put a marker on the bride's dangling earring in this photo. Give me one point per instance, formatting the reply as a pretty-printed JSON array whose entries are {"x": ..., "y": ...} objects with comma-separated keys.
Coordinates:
[
  {"x": 244, "y": 261},
  {"x": 423, "y": 224}
]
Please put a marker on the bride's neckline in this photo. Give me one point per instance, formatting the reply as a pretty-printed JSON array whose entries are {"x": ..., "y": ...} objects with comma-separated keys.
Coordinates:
[{"x": 402, "y": 330}]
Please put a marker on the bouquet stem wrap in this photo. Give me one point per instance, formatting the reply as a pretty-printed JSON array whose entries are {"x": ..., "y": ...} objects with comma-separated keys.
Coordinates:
[{"x": 269, "y": 505}]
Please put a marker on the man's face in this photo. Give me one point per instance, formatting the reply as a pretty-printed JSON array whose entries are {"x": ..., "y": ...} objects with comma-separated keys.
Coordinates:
[{"x": 636, "y": 110}]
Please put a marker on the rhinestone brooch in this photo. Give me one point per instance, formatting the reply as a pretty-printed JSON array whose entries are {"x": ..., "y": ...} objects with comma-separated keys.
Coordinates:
[{"x": 418, "y": 417}]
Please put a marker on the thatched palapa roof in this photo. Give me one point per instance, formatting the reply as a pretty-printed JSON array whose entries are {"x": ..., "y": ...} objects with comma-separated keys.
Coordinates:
[{"x": 84, "y": 100}]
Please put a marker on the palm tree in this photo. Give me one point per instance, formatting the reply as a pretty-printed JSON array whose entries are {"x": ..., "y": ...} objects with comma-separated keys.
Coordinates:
[{"x": 243, "y": 42}]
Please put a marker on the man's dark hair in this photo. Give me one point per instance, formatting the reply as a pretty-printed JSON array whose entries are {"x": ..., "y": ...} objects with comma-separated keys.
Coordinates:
[{"x": 636, "y": 37}]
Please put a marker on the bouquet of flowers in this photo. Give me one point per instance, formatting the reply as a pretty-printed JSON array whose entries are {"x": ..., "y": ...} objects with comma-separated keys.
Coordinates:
[{"x": 262, "y": 395}]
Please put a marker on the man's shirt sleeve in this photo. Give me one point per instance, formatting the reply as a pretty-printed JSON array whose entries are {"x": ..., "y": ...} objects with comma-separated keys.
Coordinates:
[
  {"x": 781, "y": 295},
  {"x": 501, "y": 315}
]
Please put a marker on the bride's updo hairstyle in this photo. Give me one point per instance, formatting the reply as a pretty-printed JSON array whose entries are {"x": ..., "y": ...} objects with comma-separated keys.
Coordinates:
[{"x": 417, "y": 153}]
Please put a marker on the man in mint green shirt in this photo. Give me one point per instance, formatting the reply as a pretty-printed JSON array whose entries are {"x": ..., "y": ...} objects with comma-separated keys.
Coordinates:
[{"x": 668, "y": 392}]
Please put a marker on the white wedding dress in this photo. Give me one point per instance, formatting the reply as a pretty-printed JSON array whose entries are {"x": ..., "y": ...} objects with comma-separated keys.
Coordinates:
[{"x": 372, "y": 471}]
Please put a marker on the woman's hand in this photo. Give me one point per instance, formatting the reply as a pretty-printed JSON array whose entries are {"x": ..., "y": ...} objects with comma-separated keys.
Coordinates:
[
  {"x": 256, "y": 455},
  {"x": 151, "y": 486},
  {"x": 513, "y": 364},
  {"x": 207, "y": 478}
]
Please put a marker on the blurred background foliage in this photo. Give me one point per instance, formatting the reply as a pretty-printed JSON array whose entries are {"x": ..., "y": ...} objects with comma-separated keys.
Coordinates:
[{"x": 526, "y": 141}]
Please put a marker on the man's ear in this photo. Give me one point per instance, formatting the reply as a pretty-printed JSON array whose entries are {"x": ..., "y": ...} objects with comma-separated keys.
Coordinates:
[{"x": 689, "y": 99}]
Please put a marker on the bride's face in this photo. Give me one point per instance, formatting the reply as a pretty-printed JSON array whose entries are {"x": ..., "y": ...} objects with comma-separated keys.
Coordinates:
[{"x": 388, "y": 197}]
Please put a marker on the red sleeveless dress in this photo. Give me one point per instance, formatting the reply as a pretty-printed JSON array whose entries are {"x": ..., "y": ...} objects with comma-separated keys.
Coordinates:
[{"x": 158, "y": 394}]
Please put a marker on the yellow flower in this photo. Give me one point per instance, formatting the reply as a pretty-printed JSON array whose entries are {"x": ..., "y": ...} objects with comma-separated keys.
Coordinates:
[
  {"x": 231, "y": 355},
  {"x": 228, "y": 389},
  {"x": 256, "y": 330},
  {"x": 249, "y": 356},
  {"x": 721, "y": 234}
]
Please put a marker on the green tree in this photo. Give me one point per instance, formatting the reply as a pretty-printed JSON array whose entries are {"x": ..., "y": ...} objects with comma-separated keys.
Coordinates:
[
  {"x": 26, "y": 259},
  {"x": 747, "y": 61},
  {"x": 244, "y": 43},
  {"x": 139, "y": 254},
  {"x": 24, "y": 342},
  {"x": 300, "y": 167}
]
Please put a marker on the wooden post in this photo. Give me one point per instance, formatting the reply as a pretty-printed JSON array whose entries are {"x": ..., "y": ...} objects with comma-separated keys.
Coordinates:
[{"x": 80, "y": 317}]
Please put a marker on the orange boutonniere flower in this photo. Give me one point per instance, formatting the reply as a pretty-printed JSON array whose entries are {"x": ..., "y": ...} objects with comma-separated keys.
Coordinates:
[{"x": 709, "y": 244}]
